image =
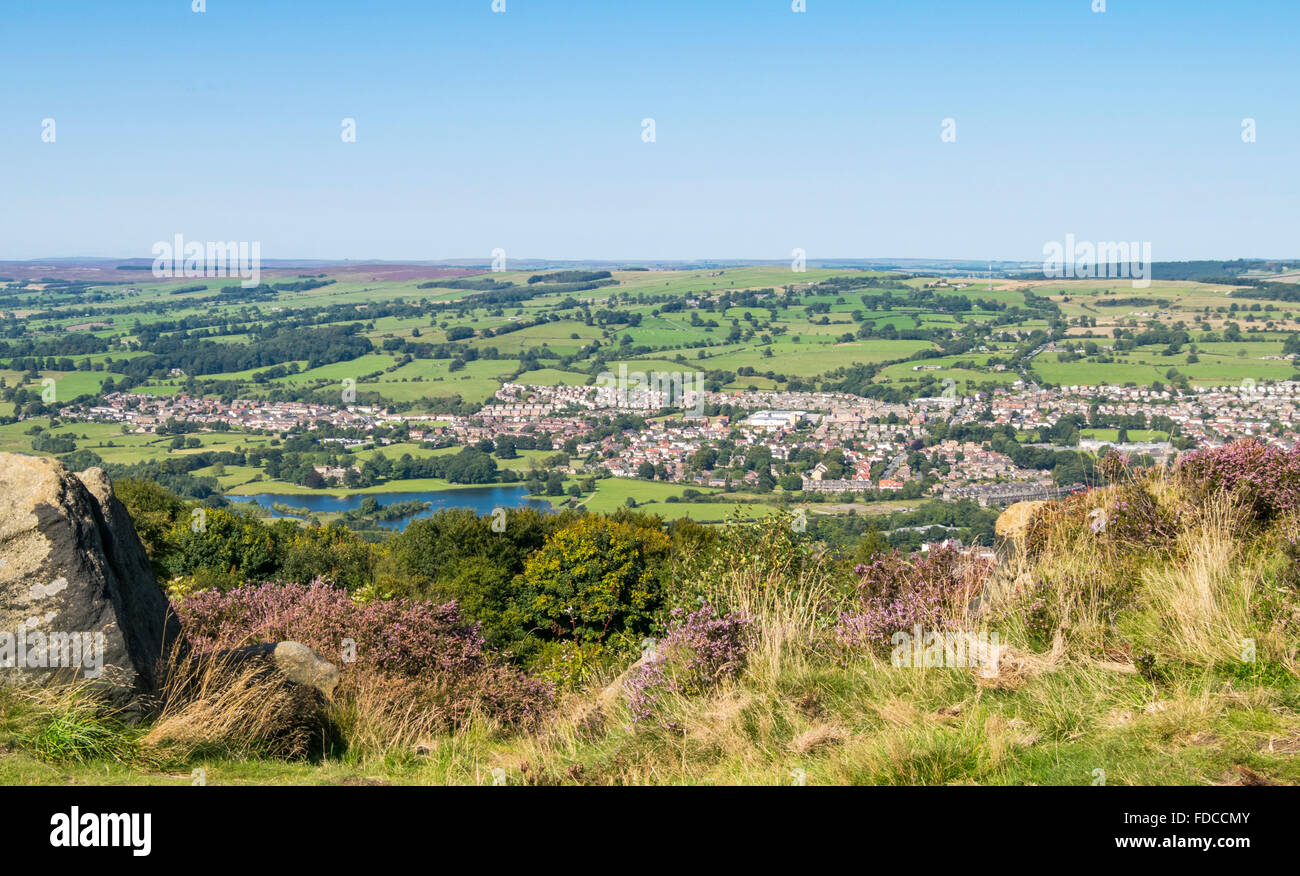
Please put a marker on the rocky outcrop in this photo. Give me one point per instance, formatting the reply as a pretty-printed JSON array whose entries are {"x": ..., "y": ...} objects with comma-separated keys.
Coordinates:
[{"x": 78, "y": 598}]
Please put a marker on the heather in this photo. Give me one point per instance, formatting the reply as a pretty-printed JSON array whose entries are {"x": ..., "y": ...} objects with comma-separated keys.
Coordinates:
[
  {"x": 700, "y": 652},
  {"x": 1264, "y": 477},
  {"x": 896, "y": 593},
  {"x": 415, "y": 659}
]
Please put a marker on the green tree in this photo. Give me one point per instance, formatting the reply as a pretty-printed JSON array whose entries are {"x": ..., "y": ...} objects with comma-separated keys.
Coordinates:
[
  {"x": 226, "y": 543},
  {"x": 596, "y": 578},
  {"x": 456, "y": 554},
  {"x": 153, "y": 509},
  {"x": 471, "y": 466},
  {"x": 333, "y": 553}
]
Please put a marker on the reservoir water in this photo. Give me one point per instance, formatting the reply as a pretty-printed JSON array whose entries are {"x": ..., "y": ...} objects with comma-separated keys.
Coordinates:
[{"x": 481, "y": 500}]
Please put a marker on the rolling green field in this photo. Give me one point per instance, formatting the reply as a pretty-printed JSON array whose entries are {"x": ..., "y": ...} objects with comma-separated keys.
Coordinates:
[
  {"x": 650, "y": 496},
  {"x": 1217, "y": 364},
  {"x": 566, "y": 337}
]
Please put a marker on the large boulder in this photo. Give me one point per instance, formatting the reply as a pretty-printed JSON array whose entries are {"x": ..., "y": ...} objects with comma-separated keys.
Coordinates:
[
  {"x": 1012, "y": 522},
  {"x": 78, "y": 597},
  {"x": 79, "y": 600},
  {"x": 1012, "y": 526}
]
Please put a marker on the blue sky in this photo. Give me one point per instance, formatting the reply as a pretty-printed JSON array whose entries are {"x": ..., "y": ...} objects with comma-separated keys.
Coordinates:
[{"x": 774, "y": 129}]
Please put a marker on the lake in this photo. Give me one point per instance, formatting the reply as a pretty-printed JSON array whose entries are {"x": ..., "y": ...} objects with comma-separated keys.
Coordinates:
[{"x": 481, "y": 500}]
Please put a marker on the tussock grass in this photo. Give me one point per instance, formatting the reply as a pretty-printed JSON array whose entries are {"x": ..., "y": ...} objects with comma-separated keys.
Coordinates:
[
  {"x": 72, "y": 725},
  {"x": 217, "y": 705},
  {"x": 1198, "y": 608},
  {"x": 375, "y": 723}
]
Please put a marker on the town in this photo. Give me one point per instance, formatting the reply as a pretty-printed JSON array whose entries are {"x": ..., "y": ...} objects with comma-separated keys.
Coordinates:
[{"x": 809, "y": 442}]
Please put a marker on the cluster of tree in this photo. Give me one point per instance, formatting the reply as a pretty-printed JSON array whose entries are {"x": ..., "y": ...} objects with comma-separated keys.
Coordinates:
[
  {"x": 319, "y": 346},
  {"x": 479, "y": 283},
  {"x": 569, "y": 277},
  {"x": 617, "y": 317},
  {"x": 1130, "y": 301},
  {"x": 44, "y": 442},
  {"x": 67, "y": 344},
  {"x": 371, "y": 510},
  {"x": 1207, "y": 271},
  {"x": 235, "y": 294},
  {"x": 301, "y": 285},
  {"x": 173, "y": 474},
  {"x": 1267, "y": 289},
  {"x": 1175, "y": 338}
]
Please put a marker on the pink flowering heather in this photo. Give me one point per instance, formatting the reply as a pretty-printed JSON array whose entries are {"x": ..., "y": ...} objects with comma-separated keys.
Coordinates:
[
  {"x": 897, "y": 593},
  {"x": 1133, "y": 517},
  {"x": 418, "y": 646},
  {"x": 643, "y": 686},
  {"x": 1266, "y": 477},
  {"x": 700, "y": 651}
]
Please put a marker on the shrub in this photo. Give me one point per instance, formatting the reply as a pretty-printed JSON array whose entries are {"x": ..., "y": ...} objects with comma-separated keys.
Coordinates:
[
  {"x": 760, "y": 569},
  {"x": 227, "y": 542},
  {"x": 153, "y": 508},
  {"x": 456, "y": 554},
  {"x": 1124, "y": 516},
  {"x": 424, "y": 653},
  {"x": 595, "y": 579}
]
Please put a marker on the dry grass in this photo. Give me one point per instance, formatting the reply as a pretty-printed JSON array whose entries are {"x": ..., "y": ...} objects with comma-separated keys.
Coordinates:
[
  {"x": 819, "y": 736},
  {"x": 233, "y": 707},
  {"x": 379, "y": 713},
  {"x": 785, "y": 604},
  {"x": 1199, "y": 606}
]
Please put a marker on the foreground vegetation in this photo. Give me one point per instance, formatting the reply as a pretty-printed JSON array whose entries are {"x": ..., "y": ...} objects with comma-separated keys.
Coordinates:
[{"x": 1147, "y": 634}]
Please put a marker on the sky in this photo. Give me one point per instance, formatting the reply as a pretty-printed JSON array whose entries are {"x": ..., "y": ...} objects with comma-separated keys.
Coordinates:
[{"x": 774, "y": 130}]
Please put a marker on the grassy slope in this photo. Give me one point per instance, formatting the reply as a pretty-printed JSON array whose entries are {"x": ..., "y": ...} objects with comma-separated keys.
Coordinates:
[
  {"x": 1067, "y": 700},
  {"x": 867, "y": 723}
]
